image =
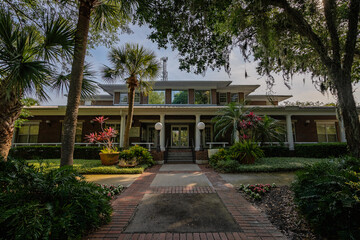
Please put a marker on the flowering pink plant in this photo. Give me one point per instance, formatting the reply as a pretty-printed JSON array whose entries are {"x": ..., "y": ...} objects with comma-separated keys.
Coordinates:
[
  {"x": 247, "y": 125},
  {"x": 104, "y": 137}
]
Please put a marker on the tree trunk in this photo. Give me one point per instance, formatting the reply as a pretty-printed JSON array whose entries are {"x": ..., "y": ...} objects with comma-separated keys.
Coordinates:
[
  {"x": 131, "y": 98},
  {"x": 349, "y": 112},
  {"x": 73, "y": 101},
  {"x": 10, "y": 110}
]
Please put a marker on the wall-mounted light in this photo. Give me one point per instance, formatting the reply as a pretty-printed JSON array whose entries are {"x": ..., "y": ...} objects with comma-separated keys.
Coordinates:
[
  {"x": 48, "y": 122},
  {"x": 307, "y": 122},
  {"x": 92, "y": 122}
]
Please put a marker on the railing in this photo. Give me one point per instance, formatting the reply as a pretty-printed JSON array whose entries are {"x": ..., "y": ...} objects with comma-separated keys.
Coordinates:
[
  {"x": 59, "y": 144},
  {"x": 166, "y": 153},
  {"x": 193, "y": 150}
]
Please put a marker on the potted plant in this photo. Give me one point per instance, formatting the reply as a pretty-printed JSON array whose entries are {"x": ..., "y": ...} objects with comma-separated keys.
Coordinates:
[{"x": 109, "y": 155}]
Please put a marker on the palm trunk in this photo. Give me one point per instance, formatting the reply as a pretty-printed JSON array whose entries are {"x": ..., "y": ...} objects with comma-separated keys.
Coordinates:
[
  {"x": 348, "y": 111},
  {"x": 131, "y": 97},
  {"x": 73, "y": 101},
  {"x": 10, "y": 110}
]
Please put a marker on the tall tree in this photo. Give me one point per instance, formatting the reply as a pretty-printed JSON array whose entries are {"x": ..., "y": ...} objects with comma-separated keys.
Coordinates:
[
  {"x": 284, "y": 36},
  {"x": 25, "y": 66},
  {"x": 105, "y": 14},
  {"x": 135, "y": 65}
]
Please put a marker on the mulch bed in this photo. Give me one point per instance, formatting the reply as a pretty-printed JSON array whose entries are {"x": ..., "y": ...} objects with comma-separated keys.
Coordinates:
[{"x": 279, "y": 206}]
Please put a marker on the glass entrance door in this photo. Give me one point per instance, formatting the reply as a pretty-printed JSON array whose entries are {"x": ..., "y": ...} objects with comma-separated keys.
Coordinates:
[{"x": 179, "y": 136}]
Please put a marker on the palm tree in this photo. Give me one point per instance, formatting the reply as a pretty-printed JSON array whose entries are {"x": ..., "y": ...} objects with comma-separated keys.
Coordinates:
[
  {"x": 25, "y": 66},
  {"x": 135, "y": 64},
  {"x": 105, "y": 14},
  {"x": 228, "y": 119},
  {"x": 269, "y": 130}
]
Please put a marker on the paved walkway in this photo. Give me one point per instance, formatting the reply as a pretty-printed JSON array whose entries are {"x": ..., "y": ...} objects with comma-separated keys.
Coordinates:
[{"x": 252, "y": 222}]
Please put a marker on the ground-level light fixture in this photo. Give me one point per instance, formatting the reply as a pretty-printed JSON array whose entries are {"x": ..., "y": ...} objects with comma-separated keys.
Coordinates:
[
  {"x": 201, "y": 127},
  {"x": 158, "y": 127}
]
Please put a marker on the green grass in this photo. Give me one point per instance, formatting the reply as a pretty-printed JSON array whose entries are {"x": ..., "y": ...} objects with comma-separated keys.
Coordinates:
[
  {"x": 278, "y": 164},
  {"x": 87, "y": 166}
]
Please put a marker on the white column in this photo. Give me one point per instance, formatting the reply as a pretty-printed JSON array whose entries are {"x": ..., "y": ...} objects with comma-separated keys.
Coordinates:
[
  {"x": 342, "y": 131},
  {"x": 122, "y": 130},
  {"x": 197, "y": 133},
  {"x": 162, "y": 133},
  {"x": 289, "y": 132}
]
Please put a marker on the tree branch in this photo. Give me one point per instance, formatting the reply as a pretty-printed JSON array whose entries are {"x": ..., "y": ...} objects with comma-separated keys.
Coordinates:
[
  {"x": 304, "y": 29},
  {"x": 17, "y": 10},
  {"x": 330, "y": 16},
  {"x": 352, "y": 35}
]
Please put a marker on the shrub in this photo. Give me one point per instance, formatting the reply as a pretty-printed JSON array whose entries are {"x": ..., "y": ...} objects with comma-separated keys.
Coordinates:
[
  {"x": 321, "y": 150},
  {"x": 142, "y": 155},
  {"x": 325, "y": 197},
  {"x": 58, "y": 204},
  {"x": 51, "y": 152},
  {"x": 276, "y": 151},
  {"x": 221, "y": 155},
  {"x": 245, "y": 151}
]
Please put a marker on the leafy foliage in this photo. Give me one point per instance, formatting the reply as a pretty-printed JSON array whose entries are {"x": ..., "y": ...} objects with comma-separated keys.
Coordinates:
[
  {"x": 245, "y": 151},
  {"x": 269, "y": 130},
  {"x": 55, "y": 205},
  {"x": 329, "y": 203},
  {"x": 25, "y": 114},
  {"x": 142, "y": 155},
  {"x": 256, "y": 191}
]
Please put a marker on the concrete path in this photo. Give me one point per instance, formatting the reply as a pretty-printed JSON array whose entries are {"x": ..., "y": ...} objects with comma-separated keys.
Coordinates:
[
  {"x": 112, "y": 179},
  {"x": 184, "y": 198},
  {"x": 281, "y": 179}
]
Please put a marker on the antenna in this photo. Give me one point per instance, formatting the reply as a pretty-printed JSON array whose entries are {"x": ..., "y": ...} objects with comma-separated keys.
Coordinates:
[{"x": 165, "y": 73}]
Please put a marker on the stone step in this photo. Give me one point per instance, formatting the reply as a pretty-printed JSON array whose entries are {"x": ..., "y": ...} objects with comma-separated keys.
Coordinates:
[{"x": 180, "y": 154}]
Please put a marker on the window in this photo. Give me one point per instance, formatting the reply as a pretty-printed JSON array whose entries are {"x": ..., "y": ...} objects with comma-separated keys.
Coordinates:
[
  {"x": 78, "y": 136},
  {"x": 157, "y": 97},
  {"x": 115, "y": 126},
  {"x": 124, "y": 98},
  {"x": 208, "y": 135},
  {"x": 326, "y": 132},
  {"x": 202, "y": 97},
  {"x": 234, "y": 97},
  {"x": 28, "y": 133},
  {"x": 179, "y": 97},
  {"x": 222, "y": 98},
  {"x": 137, "y": 98},
  {"x": 284, "y": 127}
]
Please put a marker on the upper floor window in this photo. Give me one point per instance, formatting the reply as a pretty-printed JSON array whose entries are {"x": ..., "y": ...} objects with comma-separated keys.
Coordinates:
[
  {"x": 157, "y": 97},
  {"x": 222, "y": 98},
  {"x": 28, "y": 133},
  {"x": 202, "y": 97},
  {"x": 179, "y": 97},
  {"x": 234, "y": 97},
  {"x": 326, "y": 132},
  {"x": 124, "y": 98}
]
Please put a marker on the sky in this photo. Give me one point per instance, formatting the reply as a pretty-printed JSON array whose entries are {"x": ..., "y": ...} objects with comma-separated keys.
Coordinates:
[{"x": 300, "y": 90}]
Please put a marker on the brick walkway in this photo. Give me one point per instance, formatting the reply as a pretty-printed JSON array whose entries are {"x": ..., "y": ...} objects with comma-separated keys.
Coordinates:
[{"x": 253, "y": 223}]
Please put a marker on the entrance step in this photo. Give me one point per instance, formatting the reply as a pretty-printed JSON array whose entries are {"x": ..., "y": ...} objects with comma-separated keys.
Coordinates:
[{"x": 175, "y": 156}]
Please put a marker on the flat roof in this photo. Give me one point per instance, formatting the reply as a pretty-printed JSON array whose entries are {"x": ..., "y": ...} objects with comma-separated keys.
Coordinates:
[{"x": 185, "y": 84}]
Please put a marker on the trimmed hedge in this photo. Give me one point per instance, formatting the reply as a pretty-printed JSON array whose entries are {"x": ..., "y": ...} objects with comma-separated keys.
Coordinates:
[
  {"x": 51, "y": 152},
  {"x": 315, "y": 150}
]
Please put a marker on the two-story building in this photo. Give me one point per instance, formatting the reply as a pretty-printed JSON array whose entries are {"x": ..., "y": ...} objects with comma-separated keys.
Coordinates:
[{"x": 179, "y": 106}]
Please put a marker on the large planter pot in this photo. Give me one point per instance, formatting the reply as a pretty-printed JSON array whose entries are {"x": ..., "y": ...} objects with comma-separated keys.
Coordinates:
[
  {"x": 108, "y": 159},
  {"x": 248, "y": 160}
]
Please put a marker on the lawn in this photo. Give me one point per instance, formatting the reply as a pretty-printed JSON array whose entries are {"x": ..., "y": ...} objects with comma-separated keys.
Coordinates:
[
  {"x": 87, "y": 166},
  {"x": 277, "y": 164}
]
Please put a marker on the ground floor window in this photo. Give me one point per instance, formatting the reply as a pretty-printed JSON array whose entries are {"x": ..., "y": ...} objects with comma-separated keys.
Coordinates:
[
  {"x": 28, "y": 133},
  {"x": 208, "y": 134},
  {"x": 78, "y": 136},
  {"x": 284, "y": 131},
  {"x": 115, "y": 126},
  {"x": 326, "y": 132}
]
